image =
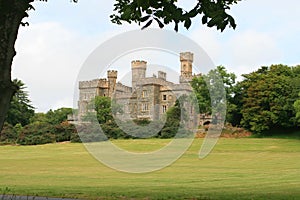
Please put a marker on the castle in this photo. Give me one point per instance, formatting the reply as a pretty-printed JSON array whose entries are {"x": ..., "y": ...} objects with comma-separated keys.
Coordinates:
[{"x": 147, "y": 98}]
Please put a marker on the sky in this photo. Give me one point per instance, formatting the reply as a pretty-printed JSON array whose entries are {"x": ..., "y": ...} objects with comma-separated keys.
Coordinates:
[{"x": 61, "y": 36}]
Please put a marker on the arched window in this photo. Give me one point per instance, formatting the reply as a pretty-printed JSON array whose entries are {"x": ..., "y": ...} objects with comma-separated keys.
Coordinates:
[{"x": 164, "y": 108}]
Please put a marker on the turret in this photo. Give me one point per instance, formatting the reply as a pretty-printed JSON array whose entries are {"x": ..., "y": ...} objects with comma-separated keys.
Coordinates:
[
  {"x": 138, "y": 68},
  {"x": 162, "y": 75},
  {"x": 112, "y": 81},
  {"x": 186, "y": 60}
]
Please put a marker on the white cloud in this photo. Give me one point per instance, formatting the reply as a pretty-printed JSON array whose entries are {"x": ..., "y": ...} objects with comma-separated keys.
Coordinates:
[
  {"x": 48, "y": 61},
  {"x": 49, "y": 57},
  {"x": 208, "y": 40},
  {"x": 250, "y": 49}
]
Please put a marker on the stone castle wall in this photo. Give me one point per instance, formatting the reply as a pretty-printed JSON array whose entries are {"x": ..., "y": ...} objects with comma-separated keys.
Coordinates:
[{"x": 149, "y": 97}]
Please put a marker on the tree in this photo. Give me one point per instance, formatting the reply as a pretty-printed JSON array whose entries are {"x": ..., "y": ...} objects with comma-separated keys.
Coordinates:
[
  {"x": 176, "y": 116},
  {"x": 20, "y": 110},
  {"x": 166, "y": 11},
  {"x": 104, "y": 107},
  {"x": 234, "y": 114},
  {"x": 163, "y": 11},
  {"x": 268, "y": 98},
  {"x": 214, "y": 91},
  {"x": 202, "y": 94},
  {"x": 297, "y": 109},
  {"x": 58, "y": 116}
]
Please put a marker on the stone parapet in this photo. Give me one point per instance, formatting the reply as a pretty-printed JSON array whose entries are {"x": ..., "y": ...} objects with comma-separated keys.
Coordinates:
[{"x": 186, "y": 56}]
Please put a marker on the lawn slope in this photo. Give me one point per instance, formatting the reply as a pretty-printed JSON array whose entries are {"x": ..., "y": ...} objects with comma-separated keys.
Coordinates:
[{"x": 245, "y": 168}]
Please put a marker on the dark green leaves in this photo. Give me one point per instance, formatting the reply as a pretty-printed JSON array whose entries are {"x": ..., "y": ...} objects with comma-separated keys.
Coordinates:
[
  {"x": 148, "y": 24},
  {"x": 165, "y": 12},
  {"x": 187, "y": 23},
  {"x": 268, "y": 98},
  {"x": 160, "y": 24}
]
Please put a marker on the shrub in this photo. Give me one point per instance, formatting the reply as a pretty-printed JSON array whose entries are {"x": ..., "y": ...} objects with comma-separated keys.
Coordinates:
[{"x": 8, "y": 135}]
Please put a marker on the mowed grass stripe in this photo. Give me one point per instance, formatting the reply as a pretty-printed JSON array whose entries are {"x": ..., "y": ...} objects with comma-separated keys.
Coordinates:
[{"x": 245, "y": 168}]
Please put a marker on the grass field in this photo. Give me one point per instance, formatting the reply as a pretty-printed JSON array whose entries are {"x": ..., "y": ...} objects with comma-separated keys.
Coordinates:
[{"x": 245, "y": 168}]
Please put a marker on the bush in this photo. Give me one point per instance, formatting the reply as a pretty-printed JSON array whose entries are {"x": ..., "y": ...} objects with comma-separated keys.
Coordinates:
[
  {"x": 37, "y": 133},
  {"x": 43, "y": 132},
  {"x": 8, "y": 135},
  {"x": 64, "y": 131},
  {"x": 88, "y": 132}
]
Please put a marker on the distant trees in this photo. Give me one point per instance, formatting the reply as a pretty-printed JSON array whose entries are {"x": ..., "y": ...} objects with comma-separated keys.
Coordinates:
[
  {"x": 23, "y": 126},
  {"x": 214, "y": 91},
  {"x": 20, "y": 110},
  {"x": 268, "y": 95},
  {"x": 264, "y": 100},
  {"x": 297, "y": 109},
  {"x": 176, "y": 117},
  {"x": 139, "y": 128}
]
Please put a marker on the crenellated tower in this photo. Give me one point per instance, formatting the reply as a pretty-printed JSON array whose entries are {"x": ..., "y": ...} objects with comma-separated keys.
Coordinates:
[
  {"x": 186, "y": 72},
  {"x": 138, "y": 68},
  {"x": 112, "y": 81}
]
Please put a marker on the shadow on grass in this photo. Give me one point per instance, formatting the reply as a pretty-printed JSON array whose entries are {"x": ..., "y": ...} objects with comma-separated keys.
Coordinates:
[{"x": 280, "y": 134}]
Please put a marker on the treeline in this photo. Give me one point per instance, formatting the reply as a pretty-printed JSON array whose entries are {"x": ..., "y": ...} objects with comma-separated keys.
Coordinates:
[
  {"x": 265, "y": 102},
  {"x": 41, "y": 128},
  {"x": 24, "y": 126}
]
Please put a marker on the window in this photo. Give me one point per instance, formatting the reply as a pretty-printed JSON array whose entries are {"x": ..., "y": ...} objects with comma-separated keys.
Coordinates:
[
  {"x": 145, "y": 107},
  {"x": 164, "y": 97},
  {"x": 145, "y": 93},
  {"x": 164, "y": 108}
]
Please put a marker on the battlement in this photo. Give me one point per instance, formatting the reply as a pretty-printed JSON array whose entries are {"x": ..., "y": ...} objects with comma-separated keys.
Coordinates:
[
  {"x": 88, "y": 84},
  {"x": 112, "y": 74},
  {"x": 93, "y": 83},
  {"x": 138, "y": 64},
  {"x": 186, "y": 56}
]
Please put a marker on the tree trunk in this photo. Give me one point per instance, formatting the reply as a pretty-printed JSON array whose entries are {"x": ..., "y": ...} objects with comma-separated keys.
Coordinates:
[
  {"x": 6, "y": 92},
  {"x": 11, "y": 14}
]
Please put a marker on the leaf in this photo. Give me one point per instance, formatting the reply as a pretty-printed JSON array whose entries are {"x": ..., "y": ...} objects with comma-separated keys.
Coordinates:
[
  {"x": 145, "y": 18},
  {"x": 204, "y": 19},
  {"x": 148, "y": 24},
  {"x": 232, "y": 22},
  {"x": 176, "y": 27},
  {"x": 213, "y": 22},
  {"x": 193, "y": 13},
  {"x": 160, "y": 24},
  {"x": 223, "y": 26},
  {"x": 187, "y": 23}
]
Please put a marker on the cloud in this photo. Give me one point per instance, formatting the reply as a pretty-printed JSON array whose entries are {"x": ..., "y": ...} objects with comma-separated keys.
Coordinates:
[
  {"x": 239, "y": 51},
  {"x": 48, "y": 59},
  {"x": 208, "y": 40},
  {"x": 250, "y": 49}
]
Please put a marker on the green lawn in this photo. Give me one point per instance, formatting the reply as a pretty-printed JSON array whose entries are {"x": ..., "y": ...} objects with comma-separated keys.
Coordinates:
[{"x": 245, "y": 168}]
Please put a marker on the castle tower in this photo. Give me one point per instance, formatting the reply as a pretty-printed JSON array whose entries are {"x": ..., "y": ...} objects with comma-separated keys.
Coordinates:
[
  {"x": 138, "y": 68},
  {"x": 112, "y": 81},
  {"x": 186, "y": 60}
]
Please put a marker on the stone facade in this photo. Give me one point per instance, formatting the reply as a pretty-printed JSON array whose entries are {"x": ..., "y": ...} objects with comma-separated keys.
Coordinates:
[{"x": 147, "y": 98}]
